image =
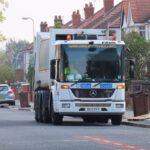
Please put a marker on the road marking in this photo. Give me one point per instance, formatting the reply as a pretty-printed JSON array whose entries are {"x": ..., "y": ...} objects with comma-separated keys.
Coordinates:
[
  {"x": 100, "y": 140},
  {"x": 131, "y": 147},
  {"x": 117, "y": 144},
  {"x": 75, "y": 140}
]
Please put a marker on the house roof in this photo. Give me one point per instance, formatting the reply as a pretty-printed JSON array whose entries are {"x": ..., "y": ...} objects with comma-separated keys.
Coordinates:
[
  {"x": 113, "y": 17},
  {"x": 68, "y": 24},
  {"x": 100, "y": 19},
  {"x": 140, "y": 10},
  {"x": 90, "y": 21}
]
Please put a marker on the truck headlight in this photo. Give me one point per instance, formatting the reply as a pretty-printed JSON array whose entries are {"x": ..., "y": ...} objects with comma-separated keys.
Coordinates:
[
  {"x": 119, "y": 105},
  {"x": 65, "y": 105}
]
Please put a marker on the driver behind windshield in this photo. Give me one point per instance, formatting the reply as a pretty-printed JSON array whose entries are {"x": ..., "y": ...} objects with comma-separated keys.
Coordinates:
[{"x": 71, "y": 73}]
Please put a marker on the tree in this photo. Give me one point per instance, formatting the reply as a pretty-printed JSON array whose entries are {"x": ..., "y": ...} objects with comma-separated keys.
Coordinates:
[
  {"x": 29, "y": 75},
  {"x": 139, "y": 50},
  {"x": 14, "y": 51},
  {"x": 6, "y": 73},
  {"x": 3, "y": 57},
  {"x": 3, "y": 5}
]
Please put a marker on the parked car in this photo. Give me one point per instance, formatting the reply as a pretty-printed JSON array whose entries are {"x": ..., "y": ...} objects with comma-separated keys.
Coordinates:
[{"x": 6, "y": 95}]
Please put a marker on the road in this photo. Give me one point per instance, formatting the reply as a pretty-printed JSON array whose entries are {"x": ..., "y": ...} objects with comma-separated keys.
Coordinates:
[{"x": 19, "y": 131}]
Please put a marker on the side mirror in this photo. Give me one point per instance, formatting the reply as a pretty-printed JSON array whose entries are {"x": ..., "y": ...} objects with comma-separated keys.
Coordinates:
[
  {"x": 53, "y": 62},
  {"x": 52, "y": 68},
  {"x": 132, "y": 69}
]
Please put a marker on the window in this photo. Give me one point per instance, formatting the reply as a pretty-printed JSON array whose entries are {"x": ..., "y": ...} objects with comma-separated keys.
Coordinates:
[
  {"x": 43, "y": 57},
  {"x": 142, "y": 31}
]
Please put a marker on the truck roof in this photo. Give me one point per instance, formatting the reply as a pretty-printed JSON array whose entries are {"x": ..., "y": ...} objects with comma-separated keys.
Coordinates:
[{"x": 100, "y": 34}]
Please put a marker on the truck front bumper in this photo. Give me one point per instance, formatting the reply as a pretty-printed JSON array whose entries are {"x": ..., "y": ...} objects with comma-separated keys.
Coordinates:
[{"x": 90, "y": 108}]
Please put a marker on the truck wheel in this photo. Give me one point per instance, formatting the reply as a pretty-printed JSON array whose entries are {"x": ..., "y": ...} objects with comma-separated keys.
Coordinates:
[
  {"x": 55, "y": 117},
  {"x": 35, "y": 108},
  {"x": 116, "y": 119},
  {"x": 45, "y": 113},
  {"x": 39, "y": 109}
]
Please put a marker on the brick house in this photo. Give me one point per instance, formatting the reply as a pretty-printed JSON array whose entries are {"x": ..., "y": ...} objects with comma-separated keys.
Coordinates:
[
  {"x": 109, "y": 15},
  {"x": 137, "y": 17},
  {"x": 130, "y": 15},
  {"x": 27, "y": 54}
]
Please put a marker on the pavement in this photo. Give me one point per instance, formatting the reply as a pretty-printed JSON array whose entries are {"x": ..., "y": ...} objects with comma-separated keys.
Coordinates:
[
  {"x": 127, "y": 120},
  {"x": 145, "y": 123}
]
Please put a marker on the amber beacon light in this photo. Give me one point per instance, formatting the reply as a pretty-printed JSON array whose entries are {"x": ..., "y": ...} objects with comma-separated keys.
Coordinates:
[{"x": 68, "y": 37}]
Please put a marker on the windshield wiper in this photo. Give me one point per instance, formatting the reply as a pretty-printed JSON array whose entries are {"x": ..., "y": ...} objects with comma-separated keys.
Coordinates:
[
  {"x": 106, "y": 80},
  {"x": 80, "y": 80}
]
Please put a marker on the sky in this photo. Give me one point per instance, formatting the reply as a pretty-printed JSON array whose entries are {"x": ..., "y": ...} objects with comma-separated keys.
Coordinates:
[{"x": 39, "y": 10}]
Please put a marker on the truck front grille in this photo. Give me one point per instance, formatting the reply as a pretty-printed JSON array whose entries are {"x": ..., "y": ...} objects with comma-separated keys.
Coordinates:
[
  {"x": 92, "y": 105},
  {"x": 92, "y": 93}
]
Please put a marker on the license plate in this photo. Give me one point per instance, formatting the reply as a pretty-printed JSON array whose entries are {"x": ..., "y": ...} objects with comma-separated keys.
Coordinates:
[{"x": 93, "y": 109}]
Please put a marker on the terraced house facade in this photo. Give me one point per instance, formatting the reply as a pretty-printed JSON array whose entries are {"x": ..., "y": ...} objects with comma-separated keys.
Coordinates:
[{"x": 130, "y": 15}]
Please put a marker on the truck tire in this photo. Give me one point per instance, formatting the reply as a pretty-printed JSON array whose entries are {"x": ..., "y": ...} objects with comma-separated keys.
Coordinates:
[
  {"x": 55, "y": 117},
  {"x": 116, "y": 119},
  {"x": 45, "y": 113},
  {"x": 35, "y": 108},
  {"x": 39, "y": 108}
]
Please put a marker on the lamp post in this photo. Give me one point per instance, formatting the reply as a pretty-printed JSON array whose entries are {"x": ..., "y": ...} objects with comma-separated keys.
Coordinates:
[
  {"x": 148, "y": 29},
  {"x": 29, "y": 18},
  {"x": 32, "y": 86}
]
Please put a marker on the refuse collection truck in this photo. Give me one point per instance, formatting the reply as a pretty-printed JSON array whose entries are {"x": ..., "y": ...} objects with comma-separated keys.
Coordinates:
[{"x": 79, "y": 72}]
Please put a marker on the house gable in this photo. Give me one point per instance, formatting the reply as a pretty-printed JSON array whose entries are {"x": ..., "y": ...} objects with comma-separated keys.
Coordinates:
[
  {"x": 124, "y": 25},
  {"x": 129, "y": 16}
]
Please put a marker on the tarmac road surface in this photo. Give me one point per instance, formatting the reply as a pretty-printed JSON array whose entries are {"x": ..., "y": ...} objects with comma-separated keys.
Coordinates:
[{"x": 19, "y": 131}]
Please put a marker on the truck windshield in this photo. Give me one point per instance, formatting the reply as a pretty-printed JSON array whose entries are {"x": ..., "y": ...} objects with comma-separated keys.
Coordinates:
[{"x": 95, "y": 63}]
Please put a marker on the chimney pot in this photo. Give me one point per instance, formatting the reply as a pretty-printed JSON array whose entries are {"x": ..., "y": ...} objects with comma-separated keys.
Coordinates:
[
  {"x": 59, "y": 17},
  {"x": 58, "y": 23},
  {"x": 73, "y": 13},
  {"x": 43, "y": 27},
  {"x": 88, "y": 10},
  {"x": 55, "y": 18},
  {"x": 91, "y": 5}
]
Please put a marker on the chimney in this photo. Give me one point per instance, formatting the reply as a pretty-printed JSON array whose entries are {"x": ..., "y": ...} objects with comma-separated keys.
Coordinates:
[
  {"x": 88, "y": 10},
  {"x": 108, "y": 5},
  {"x": 57, "y": 18},
  {"x": 58, "y": 22},
  {"x": 43, "y": 27},
  {"x": 76, "y": 18}
]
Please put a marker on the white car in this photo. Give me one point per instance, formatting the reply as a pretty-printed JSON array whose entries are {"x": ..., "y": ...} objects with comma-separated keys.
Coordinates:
[{"x": 6, "y": 95}]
